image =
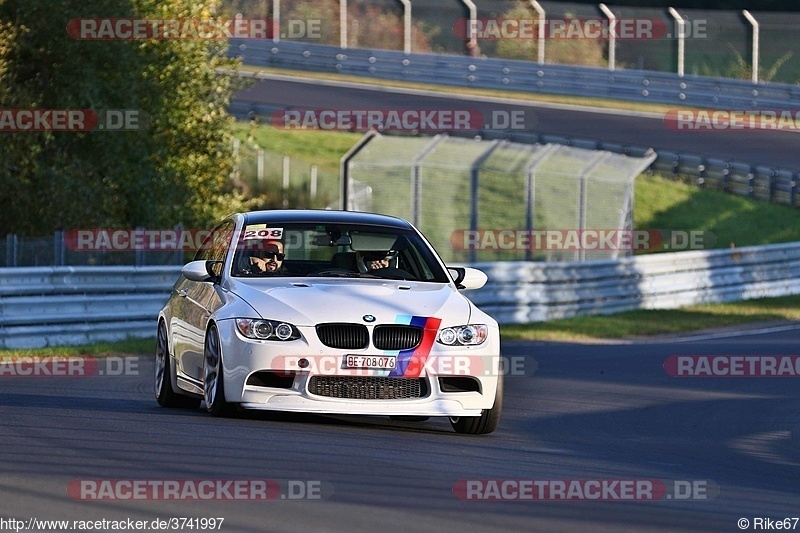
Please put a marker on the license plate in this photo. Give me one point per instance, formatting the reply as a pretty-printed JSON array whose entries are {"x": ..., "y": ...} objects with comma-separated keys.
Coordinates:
[{"x": 371, "y": 362}]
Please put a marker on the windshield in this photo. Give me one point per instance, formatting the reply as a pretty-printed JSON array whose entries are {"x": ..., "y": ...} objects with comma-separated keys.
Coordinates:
[{"x": 335, "y": 250}]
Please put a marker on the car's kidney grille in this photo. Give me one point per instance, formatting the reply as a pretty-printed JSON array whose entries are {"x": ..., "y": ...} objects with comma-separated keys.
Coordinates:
[
  {"x": 396, "y": 337},
  {"x": 367, "y": 388},
  {"x": 343, "y": 336}
]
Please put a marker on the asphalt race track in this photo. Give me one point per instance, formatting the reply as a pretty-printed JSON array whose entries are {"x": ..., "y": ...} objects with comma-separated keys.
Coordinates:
[
  {"x": 763, "y": 147},
  {"x": 574, "y": 412}
]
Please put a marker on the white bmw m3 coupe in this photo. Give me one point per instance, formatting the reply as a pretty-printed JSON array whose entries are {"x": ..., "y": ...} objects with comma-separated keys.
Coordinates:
[{"x": 328, "y": 312}]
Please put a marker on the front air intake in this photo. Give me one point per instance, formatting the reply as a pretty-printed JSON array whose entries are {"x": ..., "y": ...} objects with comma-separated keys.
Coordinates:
[{"x": 368, "y": 388}]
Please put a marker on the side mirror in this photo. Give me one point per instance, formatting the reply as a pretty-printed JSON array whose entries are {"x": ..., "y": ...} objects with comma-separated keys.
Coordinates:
[
  {"x": 202, "y": 271},
  {"x": 468, "y": 278},
  {"x": 457, "y": 273}
]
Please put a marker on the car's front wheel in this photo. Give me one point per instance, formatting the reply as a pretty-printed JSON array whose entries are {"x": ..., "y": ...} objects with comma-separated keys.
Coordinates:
[
  {"x": 213, "y": 383},
  {"x": 162, "y": 384},
  {"x": 487, "y": 421}
]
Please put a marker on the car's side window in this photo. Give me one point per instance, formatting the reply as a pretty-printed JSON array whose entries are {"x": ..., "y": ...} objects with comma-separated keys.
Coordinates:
[{"x": 217, "y": 244}]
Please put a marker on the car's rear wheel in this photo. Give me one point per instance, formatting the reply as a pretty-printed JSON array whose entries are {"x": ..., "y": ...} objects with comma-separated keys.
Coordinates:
[
  {"x": 213, "y": 382},
  {"x": 162, "y": 384},
  {"x": 487, "y": 421}
]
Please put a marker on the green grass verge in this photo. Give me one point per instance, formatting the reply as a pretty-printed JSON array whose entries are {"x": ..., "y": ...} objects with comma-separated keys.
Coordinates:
[
  {"x": 644, "y": 323},
  {"x": 661, "y": 203},
  {"x": 316, "y": 147},
  {"x": 100, "y": 349}
]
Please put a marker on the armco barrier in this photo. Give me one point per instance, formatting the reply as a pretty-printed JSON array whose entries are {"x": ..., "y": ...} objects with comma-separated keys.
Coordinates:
[
  {"x": 62, "y": 305},
  {"x": 516, "y": 75},
  {"x": 521, "y": 292},
  {"x": 52, "y": 306}
]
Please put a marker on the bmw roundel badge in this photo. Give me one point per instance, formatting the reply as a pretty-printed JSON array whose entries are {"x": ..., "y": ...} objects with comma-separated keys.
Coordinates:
[{"x": 368, "y": 318}]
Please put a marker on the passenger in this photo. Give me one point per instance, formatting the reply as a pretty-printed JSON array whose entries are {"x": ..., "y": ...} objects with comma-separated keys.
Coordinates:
[{"x": 376, "y": 260}]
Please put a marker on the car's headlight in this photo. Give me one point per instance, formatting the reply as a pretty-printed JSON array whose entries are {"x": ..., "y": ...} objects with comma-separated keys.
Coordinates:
[
  {"x": 267, "y": 330},
  {"x": 468, "y": 335}
]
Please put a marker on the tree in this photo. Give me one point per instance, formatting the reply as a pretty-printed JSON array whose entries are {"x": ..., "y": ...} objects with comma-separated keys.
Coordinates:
[{"x": 173, "y": 171}]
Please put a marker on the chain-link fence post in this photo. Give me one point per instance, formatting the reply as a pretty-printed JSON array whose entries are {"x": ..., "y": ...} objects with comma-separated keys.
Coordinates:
[
  {"x": 474, "y": 189},
  {"x": 11, "y": 250}
]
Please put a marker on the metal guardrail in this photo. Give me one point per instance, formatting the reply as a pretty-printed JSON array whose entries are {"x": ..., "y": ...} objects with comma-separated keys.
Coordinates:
[
  {"x": 62, "y": 305},
  {"x": 528, "y": 76},
  {"x": 520, "y": 292},
  {"x": 52, "y": 306}
]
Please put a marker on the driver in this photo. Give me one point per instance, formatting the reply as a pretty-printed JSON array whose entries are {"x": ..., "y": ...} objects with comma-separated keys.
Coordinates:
[{"x": 267, "y": 259}]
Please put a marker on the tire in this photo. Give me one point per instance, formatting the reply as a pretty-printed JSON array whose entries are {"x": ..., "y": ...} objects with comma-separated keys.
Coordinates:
[
  {"x": 162, "y": 382},
  {"x": 213, "y": 382},
  {"x": 488, "y": 420}
]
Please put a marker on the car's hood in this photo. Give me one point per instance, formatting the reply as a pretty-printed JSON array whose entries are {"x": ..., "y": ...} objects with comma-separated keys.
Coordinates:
[{"x": 311, "y": 301}]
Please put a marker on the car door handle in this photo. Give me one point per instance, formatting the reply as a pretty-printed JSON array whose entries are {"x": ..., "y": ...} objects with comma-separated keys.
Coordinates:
[{"x": 183, "y": 293}]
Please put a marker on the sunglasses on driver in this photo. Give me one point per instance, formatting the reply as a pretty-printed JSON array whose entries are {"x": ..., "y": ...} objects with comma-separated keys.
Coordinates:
[{"x": 270, "y": 255}]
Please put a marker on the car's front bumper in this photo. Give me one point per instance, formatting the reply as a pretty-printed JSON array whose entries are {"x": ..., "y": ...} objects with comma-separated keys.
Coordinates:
[{"x": 243, "y": 357}]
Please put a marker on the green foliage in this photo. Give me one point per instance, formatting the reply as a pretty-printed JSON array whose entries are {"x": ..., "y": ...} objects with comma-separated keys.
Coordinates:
[
  {"x": 369, "y": 25},
  {"x": 742, "y": 68},
  {"x": 173, "y": 171},
  {"x": 586, "y": 52},
  {"x": 191, "y": 125},
  {"x": 373, "y": 27}
]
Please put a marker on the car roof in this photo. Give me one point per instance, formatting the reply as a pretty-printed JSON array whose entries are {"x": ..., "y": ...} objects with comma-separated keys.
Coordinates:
[{"x": 323, "y": 216}]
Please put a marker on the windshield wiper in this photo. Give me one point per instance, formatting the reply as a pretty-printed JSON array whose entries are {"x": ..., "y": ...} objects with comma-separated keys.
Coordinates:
[{"x": 331, "y": 274}]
